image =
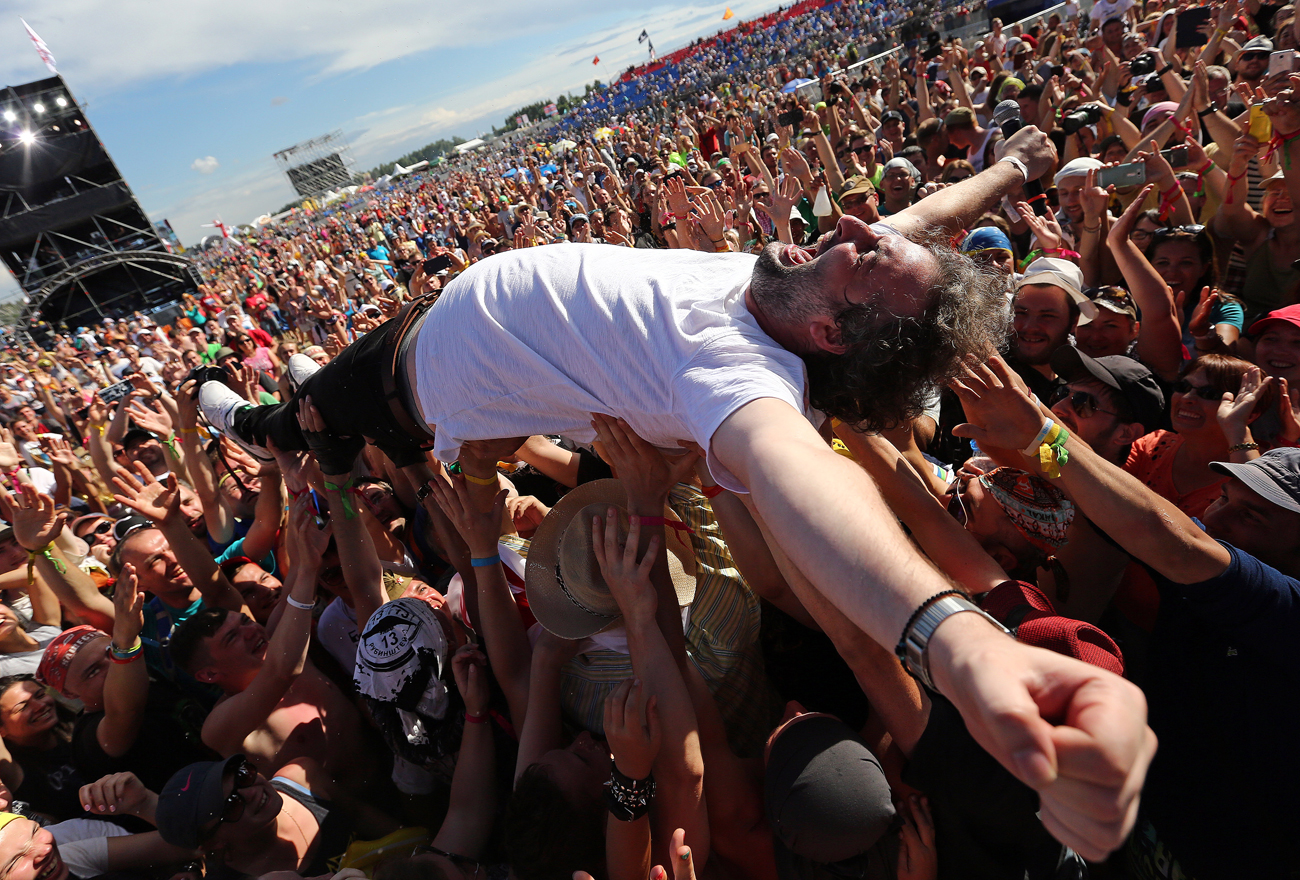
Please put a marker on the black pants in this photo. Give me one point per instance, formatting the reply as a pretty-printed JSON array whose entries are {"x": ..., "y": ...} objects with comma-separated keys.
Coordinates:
[{"x": 349, "y": 393}]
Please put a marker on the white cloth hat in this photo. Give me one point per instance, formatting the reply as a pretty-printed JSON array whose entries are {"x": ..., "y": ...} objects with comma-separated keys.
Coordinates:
[
  {"x": 1076, "y": 168},
  {"x": 1065, "y": 275}
]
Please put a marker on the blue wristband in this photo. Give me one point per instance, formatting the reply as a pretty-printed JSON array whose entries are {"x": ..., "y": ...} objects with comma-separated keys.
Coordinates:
[{"x": 485, "y": 561}]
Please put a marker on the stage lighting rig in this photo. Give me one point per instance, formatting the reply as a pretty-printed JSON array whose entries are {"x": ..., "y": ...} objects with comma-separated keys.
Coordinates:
[
  {"x": 26, "y": 137},
  {"x": 38, "y": 107}
]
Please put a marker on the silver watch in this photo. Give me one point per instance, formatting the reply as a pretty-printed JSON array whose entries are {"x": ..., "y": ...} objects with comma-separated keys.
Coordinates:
[{"x": 917, "y": 637}]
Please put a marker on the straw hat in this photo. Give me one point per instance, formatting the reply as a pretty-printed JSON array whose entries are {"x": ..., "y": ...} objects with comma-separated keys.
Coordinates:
[{"x": 566, "y": 591}]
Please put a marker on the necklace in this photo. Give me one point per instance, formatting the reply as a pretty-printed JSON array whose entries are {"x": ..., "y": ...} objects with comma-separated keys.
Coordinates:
[{"x": 306, "y": 844}]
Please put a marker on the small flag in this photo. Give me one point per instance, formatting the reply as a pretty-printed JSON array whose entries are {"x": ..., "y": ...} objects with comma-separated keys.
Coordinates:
[
  {"x": 596, "y": 60},
  {"x": 652, "y": 52},
  {"x": 728, "y": 14},
  {"x": 41, "y": 49},
  {"x": 644, "y": 36},
  {"x": 550, "y": 109}
]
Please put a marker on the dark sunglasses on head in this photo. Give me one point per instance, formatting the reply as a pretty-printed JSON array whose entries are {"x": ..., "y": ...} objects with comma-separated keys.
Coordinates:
[
  {"x": 1084, "y": 403},
  {"x": 1191, "y": 230},
  {"x": 1113, "y": 294},
  {"x": 1204, "y": 392}
]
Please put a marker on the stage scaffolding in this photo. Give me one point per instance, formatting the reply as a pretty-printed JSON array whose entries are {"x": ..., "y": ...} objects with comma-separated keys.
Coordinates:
[{"x": 315, "y": 166}]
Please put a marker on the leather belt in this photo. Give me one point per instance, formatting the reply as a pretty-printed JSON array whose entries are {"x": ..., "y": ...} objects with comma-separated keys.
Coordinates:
[{"x": 407, "y": 319}]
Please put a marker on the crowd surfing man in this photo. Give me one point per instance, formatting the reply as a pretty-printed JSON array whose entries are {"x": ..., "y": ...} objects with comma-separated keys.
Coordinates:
[
  {"x": 384, "y": 553},
  {"x": 714, "y": 351}
]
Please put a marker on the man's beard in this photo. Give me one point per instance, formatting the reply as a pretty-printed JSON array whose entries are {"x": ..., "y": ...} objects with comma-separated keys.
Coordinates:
[{"x": 784, "y": 294}]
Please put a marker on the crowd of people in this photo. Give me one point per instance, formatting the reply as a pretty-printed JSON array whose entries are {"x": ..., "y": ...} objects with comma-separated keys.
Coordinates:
[{"x": 555, "y": 514}]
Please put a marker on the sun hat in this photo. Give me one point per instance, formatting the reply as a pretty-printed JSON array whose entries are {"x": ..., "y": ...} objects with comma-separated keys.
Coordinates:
[
  {"x": 1274, "y": 476},
  {"x": 1065, "y": 275},
  {"x": 565, "y": 589}
]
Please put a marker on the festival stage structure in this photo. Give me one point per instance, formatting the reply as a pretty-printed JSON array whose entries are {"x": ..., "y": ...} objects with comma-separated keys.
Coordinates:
[
  {"x": 71, "y": 231},
  {"x": 315, "y": 166}
]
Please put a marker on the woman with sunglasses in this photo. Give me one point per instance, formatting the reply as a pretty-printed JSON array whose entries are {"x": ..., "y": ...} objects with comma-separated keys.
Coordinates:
[{"x": 1176, "y": 464}]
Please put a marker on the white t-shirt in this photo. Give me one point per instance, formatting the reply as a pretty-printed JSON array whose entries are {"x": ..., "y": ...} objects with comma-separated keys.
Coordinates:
[
  {"x": 83, "y": 844},
  {"x": 337, "y": 633},
  {"x": 1104, "y": 10},
  {"x": 25, "y": 663},
  {"x": 534, "y": 341}
]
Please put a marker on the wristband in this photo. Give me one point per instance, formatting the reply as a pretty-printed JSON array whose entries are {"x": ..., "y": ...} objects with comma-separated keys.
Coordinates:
[
  {"x": 301, "y": 606},
  {"x": 118, "y": 655},
  {"x": 664, "y": 521},
  {"x": 1032, "y": 448},
  {"x": 486, "y": 561},
  {"x": 1201, "y": 114},
  {"x": 1018, "y": 165},
  {"x": 713, "y": 491},
  {"x": 349, "y": 509},
  {"x": 42, "y": 551},
  {"x": 479, "y": 481},
  {"x": 1162, "y": 71},
  {"x": 1238, "y": 447},
  {"x": 475, "y": 719},
  {"x": 628, "y": 799}
]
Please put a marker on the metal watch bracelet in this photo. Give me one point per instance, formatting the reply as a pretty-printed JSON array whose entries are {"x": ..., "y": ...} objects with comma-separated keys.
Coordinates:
[{"x": 916, "y": 638}]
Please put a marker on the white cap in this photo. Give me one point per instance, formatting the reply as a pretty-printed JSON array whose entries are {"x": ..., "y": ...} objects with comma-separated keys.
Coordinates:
[
  {"x": 1065, "y": 275},
  {"x": 1076, "y": 168}
]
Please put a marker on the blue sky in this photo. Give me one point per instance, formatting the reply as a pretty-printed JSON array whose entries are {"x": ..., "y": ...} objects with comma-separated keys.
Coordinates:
[{"x": 192, "y": 99}]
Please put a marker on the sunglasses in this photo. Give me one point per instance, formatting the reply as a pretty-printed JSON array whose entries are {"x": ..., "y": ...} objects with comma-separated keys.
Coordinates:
[
  {"x": 232, "y": 810},
  {"x": 1113, "y": 294},
  {"x": 104, "y": 527},
  {"x": 1085, "y": 403},
  {"x": 1173, "y": 231},
  {"x": 1204, "y": 392}
]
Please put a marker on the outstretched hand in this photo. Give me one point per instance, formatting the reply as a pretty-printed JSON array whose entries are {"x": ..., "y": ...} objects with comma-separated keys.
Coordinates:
[
  {"x": 645, "y": 472},
  {"x": 999, "y": 410},
  {"x": 141, "y": 491},
  {"x": 628, "y": 579},
  {"x": 35, "y": 518}
]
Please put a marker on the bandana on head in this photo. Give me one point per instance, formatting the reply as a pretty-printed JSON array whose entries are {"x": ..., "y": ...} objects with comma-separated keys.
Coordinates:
[
  {"x": 1037, "y": 509},
  {"x": 53, "y": 669}
]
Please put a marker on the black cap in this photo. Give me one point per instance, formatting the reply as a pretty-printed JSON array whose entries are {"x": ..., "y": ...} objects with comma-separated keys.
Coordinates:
[
  {"x": 128, "y": 524},
  {"x": 1132, "y": 380},
  {"x": 892, "y": 114},
  {"x": 1274, "y": 476},
  {"x": 137, "y": 435},
  {"x": 192, "y": 798},
  {"x": 828, "y": 803}
]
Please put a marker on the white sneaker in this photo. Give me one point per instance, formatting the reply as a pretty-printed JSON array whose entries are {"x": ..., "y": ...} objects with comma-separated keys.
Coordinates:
[
  {"x": 301, "y": 368},
  {"x": 220, "y": 404}
]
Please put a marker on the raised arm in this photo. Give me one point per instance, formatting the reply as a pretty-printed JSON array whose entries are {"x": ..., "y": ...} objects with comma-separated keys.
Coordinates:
[
  {"x": 504, "y": 636},
  {"x": 472, "y": 803},
  {"x": 956, "y": 207},
  {"x": 235, "y": 718},
  {"x": 126, "y": 685},
  {"x": 1160, "y": 339}
]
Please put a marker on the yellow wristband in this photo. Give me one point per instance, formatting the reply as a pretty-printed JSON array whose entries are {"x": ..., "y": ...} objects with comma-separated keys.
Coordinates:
[
  {"x": 98, "y": 429},
  {"x": 479, "y": 481}
]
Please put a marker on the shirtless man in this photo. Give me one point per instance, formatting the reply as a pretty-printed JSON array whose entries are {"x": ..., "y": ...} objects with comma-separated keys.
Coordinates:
[
  {"x": 734, "y": 353},
  {"x": 277, "y": 706}
]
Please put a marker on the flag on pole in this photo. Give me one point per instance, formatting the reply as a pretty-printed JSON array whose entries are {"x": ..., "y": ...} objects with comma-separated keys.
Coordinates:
[
  {"x": 728, "y": 14},
  {"x": 596, "y": 60},
  {"x": 644, "y": 36},
  {"x": 41, "y": 49}
]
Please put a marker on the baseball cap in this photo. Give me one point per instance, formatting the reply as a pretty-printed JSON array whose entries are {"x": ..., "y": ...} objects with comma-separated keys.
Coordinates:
[
  {"x": 192, "y": 798},
  {"x": 1288, "y": 315},
  {"x": 828, "y": 803},
  {"x": 891, "y": 115},
  {"x": 985, "y": 238},
  {"x": 1257, "y": 44},
  {"x": 959, "y": 116},
  {"x": 858, "y": 183},
  {"x": 1065, "y": 275},
  {"x": 59, "y": 652},
  {"x": 137, "y": 435},
  {"x": 1029, "y": 614},
  {"x": 1274, "y": 476},
  {"x": 1113, "y": 299},
  {"x": 1131, "y": 379},
  {"x": 1076, "y": 168}
]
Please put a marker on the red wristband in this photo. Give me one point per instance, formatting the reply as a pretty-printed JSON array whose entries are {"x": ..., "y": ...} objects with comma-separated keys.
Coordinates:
[
  {"x": 475, "y": 719},
  {"x": 713, "y": 491},
  {"x": 664, "y": 521}
]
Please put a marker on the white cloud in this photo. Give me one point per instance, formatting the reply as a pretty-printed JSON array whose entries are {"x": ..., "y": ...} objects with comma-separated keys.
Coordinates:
[{"x": 206, "y": 165}]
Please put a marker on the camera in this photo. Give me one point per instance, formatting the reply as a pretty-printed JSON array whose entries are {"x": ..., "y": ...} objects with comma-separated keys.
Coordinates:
[
  {"x": 1088, "y": 114},
  {"x": 1142, "y": 65}
]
